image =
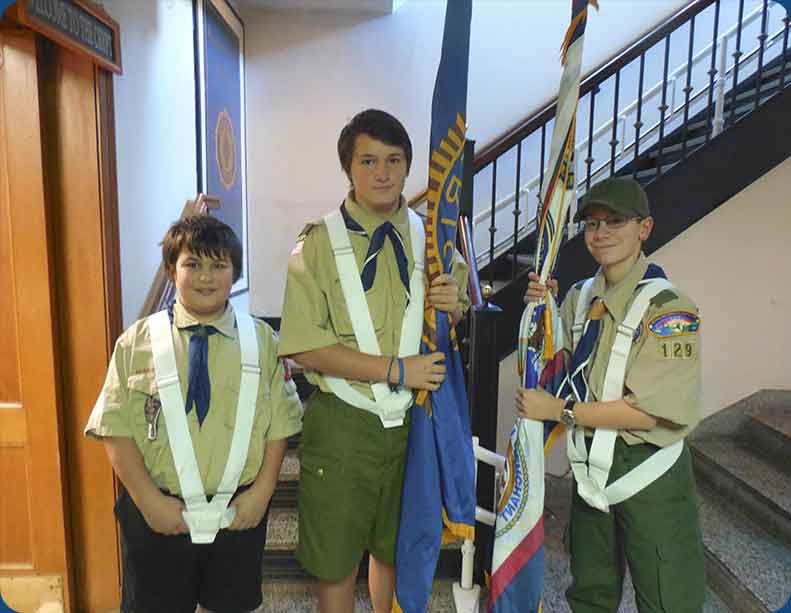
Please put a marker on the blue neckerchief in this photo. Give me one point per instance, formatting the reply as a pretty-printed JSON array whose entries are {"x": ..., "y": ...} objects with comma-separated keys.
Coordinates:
[
  {"x": 199, "y": 386},
  {"x": 576, "y": 383},
  {"x": 386, "y": 230}
]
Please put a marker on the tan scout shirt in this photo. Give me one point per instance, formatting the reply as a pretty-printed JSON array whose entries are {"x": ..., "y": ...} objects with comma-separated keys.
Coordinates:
[
  {"x": 130, "y": 387},
  {"x": 663, "y": 374},
  {"x": 314, "y": 309}
]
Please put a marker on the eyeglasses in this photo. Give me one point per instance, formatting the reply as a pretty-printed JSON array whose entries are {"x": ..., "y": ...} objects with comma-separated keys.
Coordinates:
[{"x": 613, "y": 223}]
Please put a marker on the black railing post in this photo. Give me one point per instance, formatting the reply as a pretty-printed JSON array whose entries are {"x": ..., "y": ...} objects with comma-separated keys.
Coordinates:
[
  {"x": 759, "y": 75},
  {"x": 614, "y": 139},
  {"x": 786, "y": 22},
  {"x": 638, "y": 121},
  {"x": 517, "y": 191},
  {"x": 736, "y": 55},
  {"x": 688, "y": 87},
  {"x": 663, "y": 107},
  {"x": 493, "y": 224},
  {"x": 484, "y": 385},
  {"x": 467, "y": 176},
  {"x": 589, "y": 159},
  {"x": 713, "y": 72}
]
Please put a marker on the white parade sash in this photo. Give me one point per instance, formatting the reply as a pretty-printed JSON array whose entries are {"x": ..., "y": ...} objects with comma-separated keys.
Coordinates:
[
  {"x": 388, "y": 405},
  {"x": 203, "y": 518},
  {"x": 592, "y": 471}
]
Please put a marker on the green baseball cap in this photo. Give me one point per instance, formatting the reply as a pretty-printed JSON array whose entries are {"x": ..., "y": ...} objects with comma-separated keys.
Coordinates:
[{"x": 623, "y": 195}]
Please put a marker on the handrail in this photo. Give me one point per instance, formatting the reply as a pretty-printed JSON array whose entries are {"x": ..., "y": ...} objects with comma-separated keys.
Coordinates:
[
  {"x": 162, "y": 289},
  {"x": 631, "y": 52}
]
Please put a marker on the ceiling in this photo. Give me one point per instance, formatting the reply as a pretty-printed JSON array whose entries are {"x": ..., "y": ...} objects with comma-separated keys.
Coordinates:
[{"x": 382, "y": 7}]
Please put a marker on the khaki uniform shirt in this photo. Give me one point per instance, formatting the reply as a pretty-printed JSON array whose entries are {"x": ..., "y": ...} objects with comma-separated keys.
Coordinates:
[
  {"x": 130, "y": 387},
  {"x": 663, "y": 373},
  {"x": 314, "y": 309}
]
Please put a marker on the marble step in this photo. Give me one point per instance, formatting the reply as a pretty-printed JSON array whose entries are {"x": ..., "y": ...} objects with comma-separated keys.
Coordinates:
[
  {"x": 757, "y": 486},
  {"x": 748, "y": 568},
  {"x": 299, "y": 597},
  {"x": 729, "y": 460},
  {"x": 769, "y": 427}
]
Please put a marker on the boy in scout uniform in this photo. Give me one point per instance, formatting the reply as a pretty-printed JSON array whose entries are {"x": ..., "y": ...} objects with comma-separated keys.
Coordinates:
[
  {"x": 197, "y": 475},
  {"x": 633, "y": 395},
  {"x": 352, "y": 317}
]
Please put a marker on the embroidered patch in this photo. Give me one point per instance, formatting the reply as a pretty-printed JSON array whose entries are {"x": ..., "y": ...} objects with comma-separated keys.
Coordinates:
[
  {"x": 286, "y": 370},
  {"x": 152, "y": 409},
  {"x": 674, "y": 324}
]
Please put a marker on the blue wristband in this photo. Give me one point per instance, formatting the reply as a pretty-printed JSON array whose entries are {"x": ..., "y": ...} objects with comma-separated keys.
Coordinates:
[{"x": 400, "y": 372}]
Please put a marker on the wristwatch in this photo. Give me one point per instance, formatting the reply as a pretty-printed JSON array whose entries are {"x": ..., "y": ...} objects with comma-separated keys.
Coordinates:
[{"x": 567, "y": 417}]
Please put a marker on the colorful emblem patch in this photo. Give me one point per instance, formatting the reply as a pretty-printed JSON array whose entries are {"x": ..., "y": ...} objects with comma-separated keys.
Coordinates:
[{"x": 674, "y": 324}]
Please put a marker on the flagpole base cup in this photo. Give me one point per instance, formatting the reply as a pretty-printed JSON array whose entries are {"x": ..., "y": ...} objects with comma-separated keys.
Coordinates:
[{"x": 467, "y": 601}]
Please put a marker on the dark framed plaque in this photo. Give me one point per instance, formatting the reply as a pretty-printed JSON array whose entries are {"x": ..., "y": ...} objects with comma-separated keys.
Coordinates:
[
  {"x": 222, "y": 170},
  {"x": 79, "y": 25}
]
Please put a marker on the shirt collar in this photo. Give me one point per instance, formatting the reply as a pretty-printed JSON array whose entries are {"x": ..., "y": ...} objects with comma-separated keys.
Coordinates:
[
  {"x": 617, "y": 297},
  {"x": 370, "y": 222},
  {"x": 225, "y": 323}
]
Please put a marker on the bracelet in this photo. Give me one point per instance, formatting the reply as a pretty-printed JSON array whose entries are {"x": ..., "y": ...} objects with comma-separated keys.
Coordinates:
[
  {"x": 389, "y": 369},
  {"x": 400, "y": 372}
]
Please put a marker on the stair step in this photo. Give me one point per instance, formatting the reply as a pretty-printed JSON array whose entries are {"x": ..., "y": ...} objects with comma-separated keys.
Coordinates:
[
  {"x": 282, "y": 530},
  {"x": 299, "y": 597},
  {"x": 761, "y": 489},
  {"x": 285, "y": 495},
  {"x": 289, "y": 471},
  {"x": 769, "y": 427},
  {"x": 746, "y": 567}
]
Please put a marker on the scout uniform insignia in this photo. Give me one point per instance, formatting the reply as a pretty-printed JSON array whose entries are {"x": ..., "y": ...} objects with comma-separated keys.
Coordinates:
[{"x": 152, "y": 410}]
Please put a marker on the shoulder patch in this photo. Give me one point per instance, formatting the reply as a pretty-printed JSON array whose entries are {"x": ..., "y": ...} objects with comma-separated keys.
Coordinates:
[
  {"x": 663, "y": 297},
  {"x": 675, "y": 323}
]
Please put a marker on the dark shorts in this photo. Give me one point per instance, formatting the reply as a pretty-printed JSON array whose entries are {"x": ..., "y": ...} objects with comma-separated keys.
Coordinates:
[
  {"x": 169, "y": 574},
  {"x": 351, "y": 476},
  {"x": 655, "y": 532}
]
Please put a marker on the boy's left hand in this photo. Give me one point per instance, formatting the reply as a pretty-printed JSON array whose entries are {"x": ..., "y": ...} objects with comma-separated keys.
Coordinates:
[
  {"x": 443, "y": 294},
  {"x": 250, "y": 509},
  {"x": 537, "y": 404}
]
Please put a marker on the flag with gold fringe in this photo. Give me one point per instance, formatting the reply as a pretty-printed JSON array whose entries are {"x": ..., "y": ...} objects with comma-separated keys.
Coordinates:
[
  {"x": 438, "y": 503},
  {"x": 517, "y": 582}
]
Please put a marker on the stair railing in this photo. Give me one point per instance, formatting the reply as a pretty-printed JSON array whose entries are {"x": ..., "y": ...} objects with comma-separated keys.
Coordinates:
[{"x": 622, "y": 150}]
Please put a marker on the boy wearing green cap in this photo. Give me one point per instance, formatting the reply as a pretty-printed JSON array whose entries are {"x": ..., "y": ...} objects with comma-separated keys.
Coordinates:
[{"x": 632, "y": 396}]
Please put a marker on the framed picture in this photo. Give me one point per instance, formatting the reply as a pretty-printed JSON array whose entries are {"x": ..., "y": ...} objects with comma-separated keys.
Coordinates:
[{"x": 222, "y": 157}]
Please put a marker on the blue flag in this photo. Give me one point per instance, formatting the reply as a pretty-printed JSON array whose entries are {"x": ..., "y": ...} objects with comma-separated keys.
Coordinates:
[{"x": 438, "y": 502}]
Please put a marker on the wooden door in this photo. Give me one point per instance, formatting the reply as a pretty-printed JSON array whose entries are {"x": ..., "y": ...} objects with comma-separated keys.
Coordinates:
[{"x": 33, "y": 519}]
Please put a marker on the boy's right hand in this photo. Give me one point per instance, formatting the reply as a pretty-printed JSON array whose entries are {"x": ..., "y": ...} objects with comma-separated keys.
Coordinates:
[
  {"x": 424, "y": 372},
  {"x": 163, "y": 514},
  {"x": 536, "y": 291}
]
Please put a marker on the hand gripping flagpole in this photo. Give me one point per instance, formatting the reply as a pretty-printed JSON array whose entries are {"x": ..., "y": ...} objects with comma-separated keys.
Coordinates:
[
  {"x": 438, "y": 499},
  {"x": 518, "y": 561}
]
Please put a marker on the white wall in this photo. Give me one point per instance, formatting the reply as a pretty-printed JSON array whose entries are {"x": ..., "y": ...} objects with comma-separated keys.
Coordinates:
[
  {"x": 155, "y": 134},
  {"x": 736, "y": 264},
  {"x": 308, "y": 73}
]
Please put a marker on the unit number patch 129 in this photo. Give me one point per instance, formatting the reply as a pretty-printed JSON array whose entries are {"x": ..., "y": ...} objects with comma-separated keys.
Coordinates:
[{"x": 677, "y": 350}]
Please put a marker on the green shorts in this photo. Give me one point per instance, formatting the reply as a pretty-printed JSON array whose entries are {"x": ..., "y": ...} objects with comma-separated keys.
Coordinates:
[{"x": 351, "y": 476}]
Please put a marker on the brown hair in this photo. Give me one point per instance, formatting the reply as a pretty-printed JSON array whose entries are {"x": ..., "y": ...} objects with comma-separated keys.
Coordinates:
[
  {"x": 378, "y": 125},
  {"x": 201, "y": 235}
]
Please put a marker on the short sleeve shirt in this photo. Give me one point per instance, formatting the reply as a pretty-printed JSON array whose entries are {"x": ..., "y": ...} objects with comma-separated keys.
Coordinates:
[
  {"x": 127, "y": 404},
  {"x": 314, "y": 308},
  {"x": 663, "y": 371}
]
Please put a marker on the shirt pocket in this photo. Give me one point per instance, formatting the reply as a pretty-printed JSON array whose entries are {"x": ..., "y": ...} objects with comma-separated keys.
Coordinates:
[
  {"x": 341, "y": 321},
  {"x": 146, "y": 411}
]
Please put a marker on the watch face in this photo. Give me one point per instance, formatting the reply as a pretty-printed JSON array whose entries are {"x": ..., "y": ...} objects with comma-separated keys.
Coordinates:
[{"x": 567, "y": 418}]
